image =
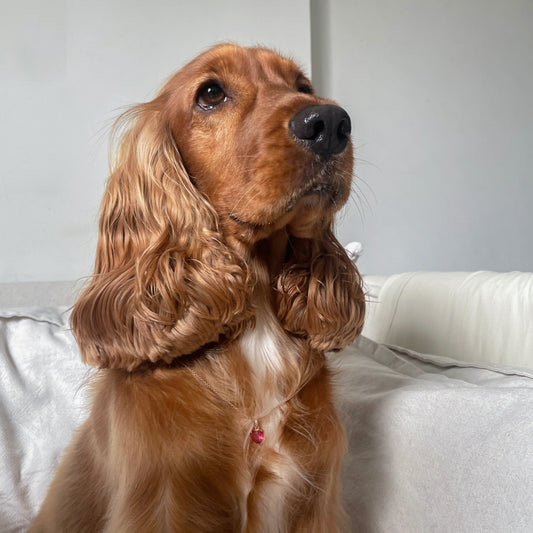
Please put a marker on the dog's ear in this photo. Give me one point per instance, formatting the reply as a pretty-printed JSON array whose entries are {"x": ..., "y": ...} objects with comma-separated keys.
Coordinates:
[
  {"x": 164, "y": 283},
  {"x": 320, "y": 293}
]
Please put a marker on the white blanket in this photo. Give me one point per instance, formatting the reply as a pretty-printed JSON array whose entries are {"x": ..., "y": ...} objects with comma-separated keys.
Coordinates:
[
  {"x": 42, "y": 400},
  {"x": 434, "y": 445}
]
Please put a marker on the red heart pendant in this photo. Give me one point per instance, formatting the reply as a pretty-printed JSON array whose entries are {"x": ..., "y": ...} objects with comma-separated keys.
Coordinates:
[{"x": 257, "y": 434}]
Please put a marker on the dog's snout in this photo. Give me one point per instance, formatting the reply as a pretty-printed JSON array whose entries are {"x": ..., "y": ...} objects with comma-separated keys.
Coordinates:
[{"x": 323, "y": 129}]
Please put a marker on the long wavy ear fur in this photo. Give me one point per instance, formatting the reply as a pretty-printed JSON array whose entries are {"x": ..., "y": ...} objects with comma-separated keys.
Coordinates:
[
  {"x": 320, "y": 294},
  {"x": 164, "y": 284}
]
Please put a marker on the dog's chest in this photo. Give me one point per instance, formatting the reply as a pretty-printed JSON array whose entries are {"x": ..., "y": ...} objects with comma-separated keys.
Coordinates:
[
  {"x": 263, "y": 346},
  {"x": 273, "y": 358}
]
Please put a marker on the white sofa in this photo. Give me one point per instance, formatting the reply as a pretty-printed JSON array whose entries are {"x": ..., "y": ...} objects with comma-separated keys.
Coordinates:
[
  {"x": 439, "y": 405},
  {"x": 436, "y": 397}
]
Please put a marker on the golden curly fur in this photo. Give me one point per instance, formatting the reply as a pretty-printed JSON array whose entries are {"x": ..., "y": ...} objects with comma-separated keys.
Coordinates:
[{"x": 218, "y": 286}]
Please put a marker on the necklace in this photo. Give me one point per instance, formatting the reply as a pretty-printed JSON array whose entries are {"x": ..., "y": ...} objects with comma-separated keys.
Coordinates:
[{"x": 256, "y": 433}]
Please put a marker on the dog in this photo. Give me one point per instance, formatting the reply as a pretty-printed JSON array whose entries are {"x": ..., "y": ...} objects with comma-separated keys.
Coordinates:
[{"x": 218, "y": 287}]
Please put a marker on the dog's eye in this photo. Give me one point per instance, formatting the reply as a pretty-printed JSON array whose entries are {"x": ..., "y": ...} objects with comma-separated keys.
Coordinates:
[
  {"x": 305, "y": 88},
  {"x": 210, "y": 95}
]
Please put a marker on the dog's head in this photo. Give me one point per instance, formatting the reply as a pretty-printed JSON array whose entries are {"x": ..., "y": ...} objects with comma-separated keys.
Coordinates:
[
  {"x": 235, "y": 150},
  {"x": 257, "y": 141}
]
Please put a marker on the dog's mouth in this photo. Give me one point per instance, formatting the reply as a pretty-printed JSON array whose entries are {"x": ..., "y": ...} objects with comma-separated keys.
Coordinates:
[
  {"x": 324, "y": 189},
  {"x": 315, "y": 191},
  {"x": 245, "y": 223},
  {"x": 320, "y": 188}
]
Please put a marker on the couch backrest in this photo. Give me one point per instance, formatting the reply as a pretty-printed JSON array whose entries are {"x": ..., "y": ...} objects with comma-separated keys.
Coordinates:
[
  {"x": 477, "y": 316},
  {"x": 39, "y": 294}
]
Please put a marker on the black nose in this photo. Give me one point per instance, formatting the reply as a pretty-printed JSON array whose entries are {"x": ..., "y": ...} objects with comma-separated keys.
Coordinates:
[{"x": 323, "y": 129}]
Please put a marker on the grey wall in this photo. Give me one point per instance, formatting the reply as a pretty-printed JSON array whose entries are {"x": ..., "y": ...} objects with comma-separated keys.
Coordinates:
[
  {"x": 66, "y": 70},
  {"x": 439, "y": 92},
  {"x": 441, "y": 97}
]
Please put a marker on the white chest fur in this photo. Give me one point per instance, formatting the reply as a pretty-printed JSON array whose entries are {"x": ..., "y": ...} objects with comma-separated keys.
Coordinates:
[
  {"x": 272, "y": 354},
  {"x": 264, "y": 345}
]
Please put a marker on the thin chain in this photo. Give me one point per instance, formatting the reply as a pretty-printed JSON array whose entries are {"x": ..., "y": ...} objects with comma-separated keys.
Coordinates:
[
  {"x": 208, "y": 385},
  {"x": 231, "y": 404}
]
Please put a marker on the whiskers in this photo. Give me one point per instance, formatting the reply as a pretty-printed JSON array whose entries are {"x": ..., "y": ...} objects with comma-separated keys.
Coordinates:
[{"x": 360, "y": 191}]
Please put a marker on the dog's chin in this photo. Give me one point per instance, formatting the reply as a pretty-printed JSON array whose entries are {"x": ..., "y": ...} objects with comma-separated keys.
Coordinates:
[
  {"x": 303, "y": 214},
  {"x": 320, "y": 194}
]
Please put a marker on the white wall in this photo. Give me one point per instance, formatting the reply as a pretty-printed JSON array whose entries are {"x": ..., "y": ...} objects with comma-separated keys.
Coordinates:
[
  {"x": 439, "y": 92},
  {"x": 66, "y": 69},
  {"x": 441, "y": 97}
]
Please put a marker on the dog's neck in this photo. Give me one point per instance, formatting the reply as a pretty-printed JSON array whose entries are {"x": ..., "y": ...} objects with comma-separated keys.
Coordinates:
[
  {"x": 271, "y": 253},
  {"x": 273, "y": 354}
]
